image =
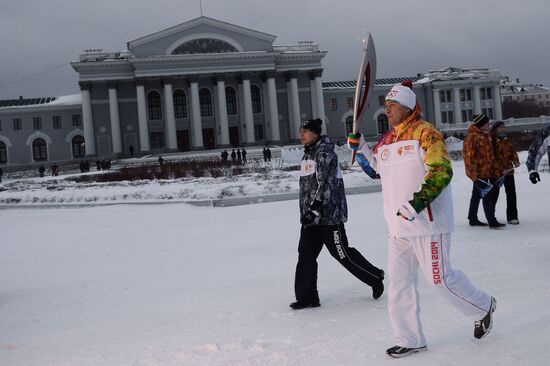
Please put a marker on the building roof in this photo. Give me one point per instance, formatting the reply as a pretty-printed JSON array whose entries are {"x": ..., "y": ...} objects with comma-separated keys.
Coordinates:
[
  {"x": 379, "y": 82},
  {"x": 74, "y": 99}
]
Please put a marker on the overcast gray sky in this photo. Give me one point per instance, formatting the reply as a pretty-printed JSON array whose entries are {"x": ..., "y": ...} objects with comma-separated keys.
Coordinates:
[{"x": 411, "y": 36}]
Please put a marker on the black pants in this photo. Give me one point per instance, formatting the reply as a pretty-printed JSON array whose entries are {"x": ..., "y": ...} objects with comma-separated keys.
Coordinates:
[
  {"x": 511, "y": 199},
  {"x": 489, "y": 203},
  {"x": 334, "y": 237}
]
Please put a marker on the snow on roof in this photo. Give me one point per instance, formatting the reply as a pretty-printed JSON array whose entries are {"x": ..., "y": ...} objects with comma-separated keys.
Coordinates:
[
  {"x": 384, "y": 81},
  {"x": 73, "y": 99}
]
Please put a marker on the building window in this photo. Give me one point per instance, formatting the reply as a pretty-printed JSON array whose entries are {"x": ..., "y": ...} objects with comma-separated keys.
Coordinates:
[
  {"x": 447, "y": 117},
  {"x": 56, "y": 121},
  {"x": 205, "y": 98},
  {"x": 154, "y": 105},
  {"x": 79, "y": 148},
  {"x": 465, "y": 95},
  {"x": 333, "y": 104},
  {"x": 3, "y": 153},
  {"x": 157, "y": 140},
  {"x": 39, "y": 150},
  {"x": 445, "y": 96},
  {"x": 256, "y": 99},
  {"x": 0, "y": 125},
  {"x": 488, "y": 112},
  {"x": 381, "y": 100},
  {"x": 467, "y": 115},
  {"x": 37, "y": 123},
  {"x": 349, "y": 125},
  {"x": 231, "y": 100},
  {"x": 180, "y": 104},
  {"x": 258, "y": 132},
  {"x": 486, "y": 93},
  {"x": 382, "y": 124},
  {"x": 349, "y": 103},
  {"x": 77, "y": 120},
  {"x": 17, "y": 126}
]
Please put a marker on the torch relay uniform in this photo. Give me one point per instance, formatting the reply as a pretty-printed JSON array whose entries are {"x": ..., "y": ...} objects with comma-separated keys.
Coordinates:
[{"x": 415, "y": 172}]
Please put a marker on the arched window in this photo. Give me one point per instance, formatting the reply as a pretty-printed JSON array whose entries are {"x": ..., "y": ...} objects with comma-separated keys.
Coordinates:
[
  {"x": 39, "y": 150},
  {"x": 231, "y": 100},
  {"x": 79, "y": 148},
  {"x": 3, "y": 153},
  {"x": 206, "y": 102},
  {"x": 382, "y": 124},
  {"x": 204, "y": 45},
  {"x": 349, "y": 125},
  {"x": 154, "y": 105},
  {"x": 180, "y": 104},
  {"x": 256, "y": 99}
]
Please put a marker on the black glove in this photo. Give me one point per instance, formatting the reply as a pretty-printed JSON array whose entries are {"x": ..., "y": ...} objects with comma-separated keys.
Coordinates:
[
  {"x": 534, "y": 177},
  {"x": 311, "y": 215}
]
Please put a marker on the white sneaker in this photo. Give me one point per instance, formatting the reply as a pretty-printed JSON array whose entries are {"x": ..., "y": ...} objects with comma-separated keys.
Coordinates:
[{"x": 513, "y": 222}]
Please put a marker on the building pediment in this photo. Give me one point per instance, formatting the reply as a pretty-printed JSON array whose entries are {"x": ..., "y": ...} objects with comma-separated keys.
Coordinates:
[{"x": 201, "y": 36}]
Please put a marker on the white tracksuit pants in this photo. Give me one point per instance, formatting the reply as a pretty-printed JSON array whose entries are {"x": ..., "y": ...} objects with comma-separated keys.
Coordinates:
[{"x": 431, "y": 253}]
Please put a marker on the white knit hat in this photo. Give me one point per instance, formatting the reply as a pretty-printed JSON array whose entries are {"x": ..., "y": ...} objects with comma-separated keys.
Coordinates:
[{"x": 402, "y": 95}]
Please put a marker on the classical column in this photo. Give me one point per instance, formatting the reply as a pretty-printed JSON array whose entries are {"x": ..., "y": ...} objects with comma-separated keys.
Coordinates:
[
  {"x": 437, "y": 108},
  {"x": 248, "y": 115},
  {"x": 273, "y": 108},
  {"x": 313, "y": 95},
  {"x": 457, "y": 108},
  {"x": 115, "y": 119},
  {"x": 170, "y": 123},
  {"x": 320, "y": 101},
  {"x": 477, "y": 100},
  {"x": 196, "y": 137},
  {"x": 87, "y": 119},
  {"x": 222, "y": 109},
  {"x": 142, "y": 118},
  {"x": 295, "y": 104},
  {"x": 497, "y": 103}
]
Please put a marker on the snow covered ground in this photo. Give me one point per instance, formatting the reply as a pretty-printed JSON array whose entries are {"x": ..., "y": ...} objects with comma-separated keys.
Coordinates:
[{"x": 146, "y": 285}]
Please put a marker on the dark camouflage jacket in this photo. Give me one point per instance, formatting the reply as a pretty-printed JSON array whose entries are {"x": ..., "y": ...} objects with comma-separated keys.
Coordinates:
[
  {"x": 538, "y": 149},
  {"x": 321, "y": 180}
]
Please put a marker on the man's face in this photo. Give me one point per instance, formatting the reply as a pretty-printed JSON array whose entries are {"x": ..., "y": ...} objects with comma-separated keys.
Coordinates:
[
  {"x": 396, "y": 113},
  {"x": 307, "y": 137},
  {"x": 500, "y": 130},
  {"x": 486, "y": 127}
]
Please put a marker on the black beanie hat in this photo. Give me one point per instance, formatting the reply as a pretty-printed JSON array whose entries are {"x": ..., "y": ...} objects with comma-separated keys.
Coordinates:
[
  {"x": 496, "y": 125},
  {"x": 314, "y": 125},
  {"x": 480, "y": 119}
]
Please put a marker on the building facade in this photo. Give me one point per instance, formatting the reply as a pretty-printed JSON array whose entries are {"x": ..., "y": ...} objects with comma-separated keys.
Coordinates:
[{"x": 208, "y": 84}]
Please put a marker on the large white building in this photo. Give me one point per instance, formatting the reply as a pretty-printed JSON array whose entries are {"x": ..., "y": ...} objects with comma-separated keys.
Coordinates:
[{"x": 207, "y": 84}]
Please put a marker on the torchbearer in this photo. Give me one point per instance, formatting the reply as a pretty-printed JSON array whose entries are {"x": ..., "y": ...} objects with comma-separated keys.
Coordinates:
[{"x": 415, "y": 170}]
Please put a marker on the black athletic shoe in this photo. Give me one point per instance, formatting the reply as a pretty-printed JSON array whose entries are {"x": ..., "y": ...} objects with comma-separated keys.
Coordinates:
[
  {"x": 398, "y": 351},
  {"x": 304, "y": 304},
  {"x": 498, "y": 226},
  {"x": 483, "y": 327},
  {"x": 378, "y": 290},
  {"x": 378, "y": 287},
  {"x": 477, "y": 223}
]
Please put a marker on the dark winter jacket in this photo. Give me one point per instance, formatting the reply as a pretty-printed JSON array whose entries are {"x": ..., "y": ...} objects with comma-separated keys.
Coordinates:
[
  {"x": 321, "y": 180},
  {"x": 538, "y": 149}
]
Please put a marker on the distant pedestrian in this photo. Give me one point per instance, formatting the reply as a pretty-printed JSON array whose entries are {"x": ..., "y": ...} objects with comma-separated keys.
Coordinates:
[
  {"x": 536, "y": 153},
  {"x": 239, "y": 156},
  {"x": 55, "y": 170},
  {"x": 264, "y": 152},
  {"x": 161, "y": 160},
  {"x": 1, "y": 173},
  {"x": 233, "y": 155},
  {"x": 244, "y": 155},
  {"x": 508, "y": 160},
  {"x": 225, "y": 154},
  {"x": 41, "y": 170},
  {"x": 268, "y": 154},
  {"x": 482, "y": 168},
  {"x": 131, "y": 149},
  {"x": 98, "y": 164}
]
